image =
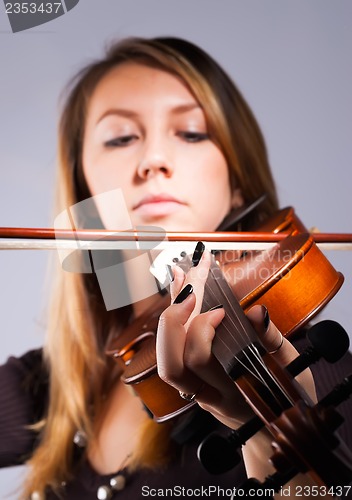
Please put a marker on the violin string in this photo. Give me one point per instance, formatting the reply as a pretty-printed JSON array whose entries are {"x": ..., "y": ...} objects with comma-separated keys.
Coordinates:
[
  {"x": 186, "y": 264},
  {"x": 240, "y": 328},
  {"x": 250, "y": 365},
  {"x": 228, "y": 319},
  {"x": 242, "y": 332},
  {"x": 237, "y": 326},
  {"x": 224, "y": 294},
  {"x": 215, "y": 300}
]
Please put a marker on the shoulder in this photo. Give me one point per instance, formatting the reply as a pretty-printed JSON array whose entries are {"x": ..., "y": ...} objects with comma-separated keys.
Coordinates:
[
  {"x": 20, "y": 366},
  {"x": 23, "y": 397},
  {"x": 26, "y": 375}
]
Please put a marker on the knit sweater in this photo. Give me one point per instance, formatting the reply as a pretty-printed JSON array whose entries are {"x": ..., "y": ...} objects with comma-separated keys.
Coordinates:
[{"x": 23, "y": 400}]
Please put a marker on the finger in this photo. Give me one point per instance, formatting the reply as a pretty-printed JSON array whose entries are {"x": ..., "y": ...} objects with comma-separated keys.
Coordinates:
[
  {"x": 174, "y": 322},
  {"x": 270, "y": 336},
  {"x": 197, "y": 276},
  {"x": 170, "y": 341},
  {"x": 178, "y": 282},
  {"x": 186, "y": 362},
  {"x": 198, "y": 355},
  {"x": 280, "y": 347},
  {"x": 218, "y": 394}
]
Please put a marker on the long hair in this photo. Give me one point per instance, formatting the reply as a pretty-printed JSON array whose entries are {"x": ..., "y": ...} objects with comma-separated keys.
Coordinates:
[{"x": 78, "y": 327}]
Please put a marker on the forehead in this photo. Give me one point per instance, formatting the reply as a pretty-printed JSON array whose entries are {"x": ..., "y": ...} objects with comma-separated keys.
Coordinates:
[{"x": 134, "y": 84}]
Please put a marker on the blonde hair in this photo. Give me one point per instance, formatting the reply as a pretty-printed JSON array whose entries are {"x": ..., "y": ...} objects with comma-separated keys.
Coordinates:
[{"x": 78, "y": 328}]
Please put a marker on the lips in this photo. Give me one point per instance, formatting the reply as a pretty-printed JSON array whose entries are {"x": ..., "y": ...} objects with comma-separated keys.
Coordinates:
[{"x": 158, "y": 205}]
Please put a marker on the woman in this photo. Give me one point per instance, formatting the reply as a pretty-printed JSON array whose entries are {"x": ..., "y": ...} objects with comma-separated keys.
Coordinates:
[{"x": 149, "y": 119}]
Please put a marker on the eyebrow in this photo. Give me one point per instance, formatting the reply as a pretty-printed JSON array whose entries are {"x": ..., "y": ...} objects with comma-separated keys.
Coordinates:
[{"x": 182, "y": 108}]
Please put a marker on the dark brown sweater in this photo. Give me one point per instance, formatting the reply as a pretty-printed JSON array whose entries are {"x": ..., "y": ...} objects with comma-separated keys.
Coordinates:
[{"x": 23, "y": 397}]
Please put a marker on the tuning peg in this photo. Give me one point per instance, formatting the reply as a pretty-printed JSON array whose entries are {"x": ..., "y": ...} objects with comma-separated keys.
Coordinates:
[
  {"x": 252, "y": 485},
  {"x": 219, "y": 454},
  {"x": 339, "y": 394},
  {"x": 329, "y": 341},
  {"x": 272, "y": 484}
]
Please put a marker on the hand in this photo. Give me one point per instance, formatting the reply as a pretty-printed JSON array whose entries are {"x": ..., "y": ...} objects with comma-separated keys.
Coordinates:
[{"x": 184, "y": 342}]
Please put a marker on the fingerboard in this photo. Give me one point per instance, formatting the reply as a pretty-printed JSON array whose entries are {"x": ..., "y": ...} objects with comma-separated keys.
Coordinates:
[{"x": 235, "y": 332}]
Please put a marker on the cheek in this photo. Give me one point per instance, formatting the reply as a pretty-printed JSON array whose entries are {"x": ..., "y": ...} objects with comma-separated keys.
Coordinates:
[
  {"x": 89, "y": 168},
  {"x": 109, "y": 189},
  {"x": 211, "y": 193},
  {"x": 215, "y": 172},
  {"x": 111, "y": 205},
  {"x": 103, "y": 174},
  {"x": 113, "y": 210}
]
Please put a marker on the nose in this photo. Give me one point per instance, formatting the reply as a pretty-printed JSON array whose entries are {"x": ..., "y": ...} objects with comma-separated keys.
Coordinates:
[{"x": 154, "y": 161}]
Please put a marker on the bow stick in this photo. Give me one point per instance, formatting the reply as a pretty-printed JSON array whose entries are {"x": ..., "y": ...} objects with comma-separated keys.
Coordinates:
[{"x": 12, "y": 238}]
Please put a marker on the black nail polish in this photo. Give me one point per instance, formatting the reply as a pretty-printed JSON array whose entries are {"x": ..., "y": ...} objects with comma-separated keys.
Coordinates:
[
  {"x": 197, "y": 254},
  {"x": 219, "y": 306},
  {"x": 170, "y": 273},
  {"x": 266, "y": 320},
  {"x": 188, "y": 289}
]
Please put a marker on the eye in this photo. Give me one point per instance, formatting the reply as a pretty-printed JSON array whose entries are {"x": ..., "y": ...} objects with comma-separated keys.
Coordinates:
[
  {"x": 120, "y": 142},
  {"x": 193, "y": 136}
]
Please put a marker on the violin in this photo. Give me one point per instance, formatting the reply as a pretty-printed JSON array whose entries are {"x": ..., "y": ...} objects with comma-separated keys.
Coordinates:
[
  {"x": 286, "y": 272},
  {"x": 295, "y": 281},
  {"x": 287, "y": 281},
  {"x": 291, "y": 264}
]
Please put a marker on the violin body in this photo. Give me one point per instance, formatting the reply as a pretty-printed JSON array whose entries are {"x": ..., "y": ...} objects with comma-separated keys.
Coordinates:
[
  {"x": 295, "y": 281},
  {"x": 298, "y": 282}
]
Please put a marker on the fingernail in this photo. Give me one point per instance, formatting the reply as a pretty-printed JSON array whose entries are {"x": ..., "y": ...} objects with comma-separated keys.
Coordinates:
[
  {"x": 197, "y": 254},
  {"x": 188, "y": 289},
  {"x": 170, "y": 273},
  {"x": 266, "y": 319},
  {"x": 219, "y": 306}
]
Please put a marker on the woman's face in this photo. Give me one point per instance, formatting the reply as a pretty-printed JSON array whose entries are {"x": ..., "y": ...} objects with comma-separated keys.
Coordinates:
[{"x": 146, "y": 134}]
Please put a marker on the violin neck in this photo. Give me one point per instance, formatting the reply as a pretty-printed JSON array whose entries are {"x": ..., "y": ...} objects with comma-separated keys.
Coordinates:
[
  {"x": 235, "y": 332},
  {"x": 237, "y": 347}
]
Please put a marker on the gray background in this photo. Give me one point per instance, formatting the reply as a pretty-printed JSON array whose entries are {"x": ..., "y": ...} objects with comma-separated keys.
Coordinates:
[{"x": 292, "y": 60}]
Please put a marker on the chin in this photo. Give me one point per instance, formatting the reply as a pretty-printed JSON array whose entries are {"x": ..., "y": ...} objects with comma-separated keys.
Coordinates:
[
  {"x": 182, "y": 226},
  {"x": 177, "y": 223}
]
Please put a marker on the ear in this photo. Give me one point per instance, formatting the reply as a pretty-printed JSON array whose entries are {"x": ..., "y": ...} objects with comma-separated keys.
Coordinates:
[{"x": 237, "y": 200}]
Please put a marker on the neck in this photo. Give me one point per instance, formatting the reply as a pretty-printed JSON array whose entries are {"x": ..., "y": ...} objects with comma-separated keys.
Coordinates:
[
  {"x": 142, "y": 285},
  {"x": 142, "y": 306}
]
